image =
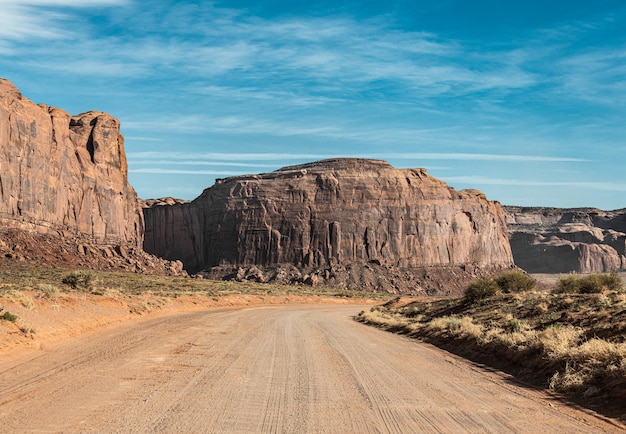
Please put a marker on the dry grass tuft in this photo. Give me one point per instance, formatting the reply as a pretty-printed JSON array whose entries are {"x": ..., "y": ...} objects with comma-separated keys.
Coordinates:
[{"x": 557, "y": 342}]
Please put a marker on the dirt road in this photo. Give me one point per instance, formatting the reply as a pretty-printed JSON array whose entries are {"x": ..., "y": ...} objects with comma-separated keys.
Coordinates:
[{"x": 291, "y": 369}]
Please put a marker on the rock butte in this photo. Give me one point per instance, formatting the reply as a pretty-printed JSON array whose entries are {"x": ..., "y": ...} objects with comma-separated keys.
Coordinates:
[
  {"x": 331, "y": 213},
  {"x": 63, "y": 183},
  {"x": 555, "y": 240}
]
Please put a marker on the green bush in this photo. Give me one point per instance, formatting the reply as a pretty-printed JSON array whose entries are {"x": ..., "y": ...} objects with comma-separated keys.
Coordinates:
[
  {"x": 480, "y": 289},
  {"x": 515, "y": 281},
  {"x": 79, "y": 280},
  {"x": 613, "y": 282},
  {"x": 8, "y": 316},
  {"x": 515, "y": 326},
  {"x": 590, "y": 284}
]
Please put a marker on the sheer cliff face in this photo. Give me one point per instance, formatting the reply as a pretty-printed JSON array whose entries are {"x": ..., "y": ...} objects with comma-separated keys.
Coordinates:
[
  {"x": 334, "y": 211},
  {"x": 64, "y": 174}
]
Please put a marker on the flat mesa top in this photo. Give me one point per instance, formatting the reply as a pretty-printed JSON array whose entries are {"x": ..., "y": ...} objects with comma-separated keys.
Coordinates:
[
  {"x": 355, "y": 165},
  {"x": 340, "y": 163}
]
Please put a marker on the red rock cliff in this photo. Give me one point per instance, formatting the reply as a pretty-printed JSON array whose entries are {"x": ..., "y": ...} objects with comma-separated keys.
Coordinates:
[
  {"x": 339, "y": 211},
  {"x": 64, "y": 174}
]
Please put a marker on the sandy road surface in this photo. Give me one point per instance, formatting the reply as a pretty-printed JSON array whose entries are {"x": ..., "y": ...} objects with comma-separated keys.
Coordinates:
[{"x": 290, "y": 369}]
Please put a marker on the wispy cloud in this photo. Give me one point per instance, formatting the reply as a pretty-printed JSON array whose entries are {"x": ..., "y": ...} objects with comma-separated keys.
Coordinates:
[
  {"x": 596, "y": 76},
  {"x": 161, "y": 171},
  {"x": 322, "y": 57},
  {"x": 483, "y": 157},
  {"x": 227, "y": 158},
  {"x": 223, "y": 156},
  {"x": 282, "y": 97},
  {"x": 592, "y": 185},
  {"x": 24, "y": 19},
  {"x": 199, "y": 163}
]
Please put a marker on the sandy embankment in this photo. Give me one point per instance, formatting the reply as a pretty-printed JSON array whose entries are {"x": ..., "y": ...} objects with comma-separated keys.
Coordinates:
[{"x": 44, "y": 320}]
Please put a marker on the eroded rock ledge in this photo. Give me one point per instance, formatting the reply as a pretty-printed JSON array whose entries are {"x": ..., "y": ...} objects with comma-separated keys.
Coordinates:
[{"x": 330, "y": 219}]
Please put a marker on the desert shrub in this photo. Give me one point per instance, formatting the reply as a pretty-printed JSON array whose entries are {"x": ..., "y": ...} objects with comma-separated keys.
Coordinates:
[
  {"x": 515, "y": 281},
  {"x": 454, "y": 323},
  {"x": 590, "y": 284},
  {"x": 385, "y": 319},
  {"x": 467, "y": 328},
  {"x": 515, "y": 326},
  {"x": 8, "y": 316},
  {"x": 79, "y": 280},
  {"x": 568, "y": 285},
  {"x": 48, "y": 290},
  {"x": 612, "y": 282},
  {"x": 481, "y": 288}
]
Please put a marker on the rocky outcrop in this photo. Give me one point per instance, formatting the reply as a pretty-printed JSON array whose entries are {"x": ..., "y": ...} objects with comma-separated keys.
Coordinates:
[
  {"x": 65, "y": 176},
  {"x": 328, "y": 215},
  {"x": 555, "y": 240}
]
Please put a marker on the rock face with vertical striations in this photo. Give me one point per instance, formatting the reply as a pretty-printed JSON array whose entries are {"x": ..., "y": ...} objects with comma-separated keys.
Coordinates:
[
  {"x": 65, "y": 176},
  {"x": 331, "y": 216}
]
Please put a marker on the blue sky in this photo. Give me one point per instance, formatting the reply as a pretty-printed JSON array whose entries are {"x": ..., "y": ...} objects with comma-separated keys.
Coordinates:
[{"x": 525, "y": 101}]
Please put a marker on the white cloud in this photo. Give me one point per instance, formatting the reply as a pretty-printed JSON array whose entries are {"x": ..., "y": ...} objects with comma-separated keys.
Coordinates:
[
  {"x": 223, "y": 158},
  {"x": 248, "y": 93},
  {"x": 24, "y": 19},
  {"x": 20, "y": 21},
  {"x": 62, "y": 3},
  {"x": 481, "y": 180},
  {"x": 172, "y": 162},
  {"x": 327, "y": 55},
  {"x": 484, "y": 157},
  {"x": 598, "y": 76},
  {"x": 161, "y": 171}
]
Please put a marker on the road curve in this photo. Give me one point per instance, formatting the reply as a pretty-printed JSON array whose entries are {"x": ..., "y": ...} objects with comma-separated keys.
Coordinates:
[{"x": 276, "y": 369}]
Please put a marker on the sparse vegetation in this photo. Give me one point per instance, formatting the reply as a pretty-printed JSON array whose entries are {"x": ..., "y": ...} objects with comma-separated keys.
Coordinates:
[
  {"x": 515, "y": 326},
  {"x": 515, "y": 281},
  {"x": 480, "y": 289},
  {"x": 79, "y": 280},
  {"x": 511, "y": 281},
  {"x": 48, "y": 290},
  {"x": 572, "y": 341},
  {"x": 589, "y": 284},
  {"x": 18, "y": 279},
  {"x": 8, "y": 316}
]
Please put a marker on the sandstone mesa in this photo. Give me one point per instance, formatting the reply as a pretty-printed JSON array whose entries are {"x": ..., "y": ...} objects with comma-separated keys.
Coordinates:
[{"x": 333, "y": 217}]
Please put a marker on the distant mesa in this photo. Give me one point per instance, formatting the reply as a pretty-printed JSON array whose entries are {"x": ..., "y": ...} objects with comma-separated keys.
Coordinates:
[
  {"x": 556, "y": 240},
  {"x": 348, "y": 222}
]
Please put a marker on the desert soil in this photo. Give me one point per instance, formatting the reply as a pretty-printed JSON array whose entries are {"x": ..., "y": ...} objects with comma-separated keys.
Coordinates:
[{"x": 291, "y": 368}]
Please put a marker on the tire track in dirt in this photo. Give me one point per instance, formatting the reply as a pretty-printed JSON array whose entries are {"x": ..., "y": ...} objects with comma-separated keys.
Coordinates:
[{"x": 277, "y": 369}]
